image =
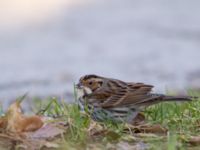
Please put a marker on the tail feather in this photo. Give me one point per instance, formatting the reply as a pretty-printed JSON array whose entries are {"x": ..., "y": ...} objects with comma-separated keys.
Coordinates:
[
  {"x": 178, "y": 98},
  {"x": 162, "y": 98}
]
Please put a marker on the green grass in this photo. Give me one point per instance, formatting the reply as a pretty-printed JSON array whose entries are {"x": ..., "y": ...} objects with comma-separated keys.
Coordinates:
[
  {"x": 79, "y": 121},
  {"x": 181, "y": 119}
]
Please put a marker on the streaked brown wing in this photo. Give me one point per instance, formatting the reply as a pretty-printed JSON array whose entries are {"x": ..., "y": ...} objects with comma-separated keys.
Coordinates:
[{"x": 127, "y": 93}]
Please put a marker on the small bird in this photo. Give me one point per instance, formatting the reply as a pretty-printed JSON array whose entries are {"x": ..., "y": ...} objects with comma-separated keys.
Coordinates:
[{"x": 116, "y": 100}]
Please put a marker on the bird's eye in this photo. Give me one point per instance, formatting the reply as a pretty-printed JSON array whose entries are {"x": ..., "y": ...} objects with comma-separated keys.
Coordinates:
[{"x": 90, "y": 83}]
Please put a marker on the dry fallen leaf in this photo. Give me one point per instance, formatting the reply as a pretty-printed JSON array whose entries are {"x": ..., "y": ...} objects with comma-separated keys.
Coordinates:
[
  {"x": 194, "y": 140},
  {"x": 24, "y": 132},
  {"x": 95, "y": 129},
  {"x": 49, "y": 136},
  {"x": 3, "y": 123},
  {"x": 48, "y": 131},
  {"x": 147, "y": 128},
  {"x": 15, "y": 121},
  {"x": 139, "y": 119},
  {"x": 156, "y": 129}
]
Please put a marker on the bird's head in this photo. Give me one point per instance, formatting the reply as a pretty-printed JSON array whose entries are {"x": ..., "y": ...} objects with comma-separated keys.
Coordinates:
[{"x": 90, "y": 83}]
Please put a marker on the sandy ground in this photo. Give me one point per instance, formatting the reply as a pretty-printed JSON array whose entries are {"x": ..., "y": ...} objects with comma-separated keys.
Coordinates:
[{"x": 151, "y": 41}]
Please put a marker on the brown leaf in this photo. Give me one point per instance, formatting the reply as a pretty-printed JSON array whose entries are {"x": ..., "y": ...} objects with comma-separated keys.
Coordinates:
[
  {"x": 3, "y": 123},
  {"x": 5, "y": 143},
  {"x": 49, "y": 130},
  {"x": 139, "y": 119},
  {"x": 157, "y": 129},
  {"x": 95, "y": 129},
  {"x": 147, "y": 128},
  {"x": 16, "y": 122},
  {"x": 47, "y": 136},
  {"x": 194, "y": 140},
  {"x": 19, "y": 129}
]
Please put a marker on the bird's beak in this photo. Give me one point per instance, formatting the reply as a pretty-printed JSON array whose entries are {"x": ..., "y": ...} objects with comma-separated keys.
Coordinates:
[{"x": 78, "y": 86}]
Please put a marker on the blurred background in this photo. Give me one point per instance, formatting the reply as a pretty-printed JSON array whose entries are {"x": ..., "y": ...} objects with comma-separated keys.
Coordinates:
[{"x": 45, "y": 46}]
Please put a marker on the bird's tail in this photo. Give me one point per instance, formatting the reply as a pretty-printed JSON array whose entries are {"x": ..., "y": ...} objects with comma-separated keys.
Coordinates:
[
  {"x": 179, "y": 98},
  {"x": 163, "y": 98}
]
